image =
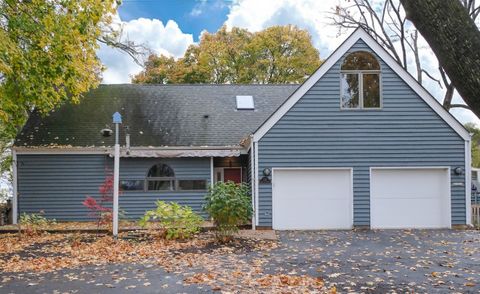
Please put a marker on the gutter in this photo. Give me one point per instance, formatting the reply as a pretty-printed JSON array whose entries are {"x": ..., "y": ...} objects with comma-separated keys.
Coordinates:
[{"x": 106, "y": 150}]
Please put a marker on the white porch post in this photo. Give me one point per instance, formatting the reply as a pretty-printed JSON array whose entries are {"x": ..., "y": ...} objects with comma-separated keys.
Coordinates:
[
  {"x": 15, "y": 189},
  {"x": 117, "y": 120},
  {"x": 212, "y": 172}
]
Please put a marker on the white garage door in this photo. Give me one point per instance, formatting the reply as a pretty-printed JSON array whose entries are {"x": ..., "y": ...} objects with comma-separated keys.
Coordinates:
[
  {"x": 312, "y": 199},
  {"x": 410, "y": 198}
]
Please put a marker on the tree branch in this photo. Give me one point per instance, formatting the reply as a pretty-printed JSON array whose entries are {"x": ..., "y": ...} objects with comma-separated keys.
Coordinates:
[
  {"x": 433, "y": 78},
  {"x": 459, "y": 106}
]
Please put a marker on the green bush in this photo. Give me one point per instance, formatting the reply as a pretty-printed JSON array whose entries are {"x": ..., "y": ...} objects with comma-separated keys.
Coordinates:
[
  {"x": 229, "y": 205},
  {"x": 174, "y": 220},
  {"x": 33, "y": 222}
]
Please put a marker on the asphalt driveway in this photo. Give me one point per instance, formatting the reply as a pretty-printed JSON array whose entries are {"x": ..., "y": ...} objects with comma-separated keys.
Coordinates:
[{"x": 420, "y": 261}]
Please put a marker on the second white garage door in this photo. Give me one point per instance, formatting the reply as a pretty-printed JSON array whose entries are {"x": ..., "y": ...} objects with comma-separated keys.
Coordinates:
[
  {"x": 410, "y": 198},
  {"x": 309, "y": 199}
]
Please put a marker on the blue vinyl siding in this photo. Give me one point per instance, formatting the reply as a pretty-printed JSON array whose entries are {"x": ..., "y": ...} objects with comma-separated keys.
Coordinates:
[
  {"x": 405, "y": 132},
  {"x": 57, "y": 184}
]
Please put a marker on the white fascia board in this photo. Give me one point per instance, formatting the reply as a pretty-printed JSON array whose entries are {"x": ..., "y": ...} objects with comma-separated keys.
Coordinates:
[
  {"x": 387, "y": 58},
  {"x": 52, "y": 151},
  {"x": 108, "y": 150}
]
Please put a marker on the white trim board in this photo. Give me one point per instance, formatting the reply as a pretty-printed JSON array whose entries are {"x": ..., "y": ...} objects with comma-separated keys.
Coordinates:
[
  {"x": 468, "y": 183},
  {"x": 108, "y": 150},
  {"x": 15, "y": 188},
  {"x": 358, "y": 34}
]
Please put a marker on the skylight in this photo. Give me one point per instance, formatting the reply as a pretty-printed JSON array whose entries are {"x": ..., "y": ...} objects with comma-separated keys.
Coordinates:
[{"x": 245, "y": 102}]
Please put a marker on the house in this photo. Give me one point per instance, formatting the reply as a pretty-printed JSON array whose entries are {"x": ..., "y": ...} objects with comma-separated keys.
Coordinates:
[{"x": 359, "y": 143}]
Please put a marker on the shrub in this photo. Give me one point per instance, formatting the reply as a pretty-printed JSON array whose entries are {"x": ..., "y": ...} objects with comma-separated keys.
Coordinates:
[
  {"x": 33, "y": 222},
  {"x": 100, "y": 210},
  {"x": 174, "y": 220},
  {"x": 229, "y": 205}
]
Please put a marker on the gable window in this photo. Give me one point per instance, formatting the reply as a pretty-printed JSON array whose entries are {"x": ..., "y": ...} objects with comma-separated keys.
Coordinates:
[
  {"x": 360, "y": 81},
  {"x": 160, "y": 177}
]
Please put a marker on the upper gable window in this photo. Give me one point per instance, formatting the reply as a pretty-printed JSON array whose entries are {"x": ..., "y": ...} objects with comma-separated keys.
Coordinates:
[{"x": 360, "y": 81}]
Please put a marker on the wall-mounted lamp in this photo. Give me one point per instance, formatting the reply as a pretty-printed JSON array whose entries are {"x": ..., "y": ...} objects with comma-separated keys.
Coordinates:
[
  {"x": 266, "y": 176},
  {"x": 458, "y": 171}
]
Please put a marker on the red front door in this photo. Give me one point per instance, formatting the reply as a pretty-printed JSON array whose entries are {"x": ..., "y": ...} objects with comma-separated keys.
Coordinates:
[{"x": 232, "y": 174}]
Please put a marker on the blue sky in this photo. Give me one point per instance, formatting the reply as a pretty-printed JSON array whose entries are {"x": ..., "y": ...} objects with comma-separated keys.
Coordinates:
[{"x": 192, "y": 16}]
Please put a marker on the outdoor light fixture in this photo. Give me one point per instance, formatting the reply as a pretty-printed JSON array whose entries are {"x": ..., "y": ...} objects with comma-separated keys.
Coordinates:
[
  {"x": 458, "y": 171},
  {"x": 266, "y": 176}
]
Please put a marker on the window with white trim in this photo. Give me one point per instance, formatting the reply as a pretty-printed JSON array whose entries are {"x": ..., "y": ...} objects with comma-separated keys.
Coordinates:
[
  {"x": 160, "y": 177},
  {"x": 360, "y": 81}
]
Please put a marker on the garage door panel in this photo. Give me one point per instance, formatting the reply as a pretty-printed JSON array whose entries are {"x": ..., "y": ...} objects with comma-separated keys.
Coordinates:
[
  {"x": 410, "y": 198},
  {"x": 312, "y": 199},
  {"x": 422, "y": 214},
  {"x": 392, "y": 183}
]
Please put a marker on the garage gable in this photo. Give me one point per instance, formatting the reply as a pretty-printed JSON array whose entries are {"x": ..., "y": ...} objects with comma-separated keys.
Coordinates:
[
  {"x": 313, "y": 131},
  {"x": 361, "y": 35}
]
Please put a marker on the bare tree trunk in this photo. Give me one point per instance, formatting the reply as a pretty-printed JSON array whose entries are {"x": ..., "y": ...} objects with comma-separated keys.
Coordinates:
[
  {"x": 453, "y": 36},
  {"x": 418, "y": 64},
  {"x": 447, "y": 100}
]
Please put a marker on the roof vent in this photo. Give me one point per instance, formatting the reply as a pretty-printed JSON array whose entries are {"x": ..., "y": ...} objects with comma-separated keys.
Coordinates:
[{"x": 245, "y": 102}]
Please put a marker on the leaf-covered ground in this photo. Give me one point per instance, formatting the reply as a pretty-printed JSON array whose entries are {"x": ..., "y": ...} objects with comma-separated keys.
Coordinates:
[{"x": 346, "y": 261}]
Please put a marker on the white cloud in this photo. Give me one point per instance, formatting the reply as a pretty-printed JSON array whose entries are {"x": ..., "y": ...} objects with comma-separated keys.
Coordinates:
[
  {"x": 314, "y": 16},
  {"x": 165, "y": 39}
]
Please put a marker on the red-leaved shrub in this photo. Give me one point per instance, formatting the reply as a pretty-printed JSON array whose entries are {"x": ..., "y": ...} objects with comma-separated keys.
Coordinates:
[{"x": 100, "y": 210}]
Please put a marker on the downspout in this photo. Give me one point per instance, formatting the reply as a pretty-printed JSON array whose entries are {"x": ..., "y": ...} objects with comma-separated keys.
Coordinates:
[
  {"x": 15, "y": 189},
  {"x": 252, "y": 182}
]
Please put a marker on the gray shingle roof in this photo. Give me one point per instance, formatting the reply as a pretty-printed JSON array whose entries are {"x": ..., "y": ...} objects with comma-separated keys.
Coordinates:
[{"x": 157, "y": 115}]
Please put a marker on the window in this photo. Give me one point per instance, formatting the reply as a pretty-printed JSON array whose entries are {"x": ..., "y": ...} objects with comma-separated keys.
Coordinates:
[
  {"x": 186, "y": 185},
  {"x": 132, "y": 185},
  {"x": 160, "y": 177},
  {"x": 360, "y": 81}
]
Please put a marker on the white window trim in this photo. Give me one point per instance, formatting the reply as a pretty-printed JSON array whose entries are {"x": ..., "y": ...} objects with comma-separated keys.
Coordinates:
[
  {"x": 360, "y": 74},
  {"x": 389, "y": 61}
]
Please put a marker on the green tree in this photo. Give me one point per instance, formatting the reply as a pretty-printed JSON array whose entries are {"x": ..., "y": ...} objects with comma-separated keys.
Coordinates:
[
  {"x": 48, "y": 54},
  {"x": 282, "y": 54},
  {"x": 473, "y": 129},
  {"x": 279, "y": 54}
]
